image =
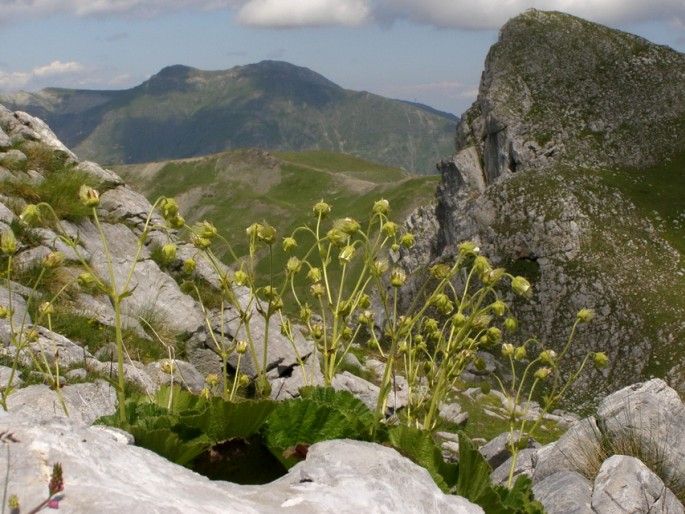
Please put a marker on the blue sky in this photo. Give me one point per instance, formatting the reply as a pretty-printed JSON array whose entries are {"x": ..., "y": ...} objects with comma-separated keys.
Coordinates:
[{"x": 431, "y": 51}]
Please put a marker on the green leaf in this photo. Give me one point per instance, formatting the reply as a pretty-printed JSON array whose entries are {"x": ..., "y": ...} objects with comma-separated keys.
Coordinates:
[
  {"x": 168, "y": 444},
  {"x": 304, "y": 421},
  {"x": 222, "y": 420},
  {"x": 355, "y": 410},
  {"x": 474, "y": 479},
  {"x": 421, "y": 448}
]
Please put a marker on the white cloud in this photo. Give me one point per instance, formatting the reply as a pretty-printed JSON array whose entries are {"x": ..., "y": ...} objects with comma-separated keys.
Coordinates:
[
  {"x": 491, "y": 14},
  {"x": 297, "y": 13},
  {"x": 460, "y": 14},
  {"x": 16, "y": 10},
  {"x": 41, "y": 76}
]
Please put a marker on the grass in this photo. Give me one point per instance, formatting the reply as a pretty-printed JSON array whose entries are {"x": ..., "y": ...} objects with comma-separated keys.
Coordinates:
[{"x": 237, "y": 188}]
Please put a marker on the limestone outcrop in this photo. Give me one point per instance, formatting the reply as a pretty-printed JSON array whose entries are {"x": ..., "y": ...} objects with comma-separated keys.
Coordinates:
[{"x": 565, "y": 110}]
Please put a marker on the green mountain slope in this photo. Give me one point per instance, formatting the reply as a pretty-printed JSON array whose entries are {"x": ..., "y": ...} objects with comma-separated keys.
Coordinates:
[
  {"x": 234, "y": 189},
  {"x": 185, "y": 112}
]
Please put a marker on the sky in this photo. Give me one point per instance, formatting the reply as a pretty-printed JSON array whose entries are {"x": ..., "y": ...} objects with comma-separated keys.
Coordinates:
[{"x": 429, "y": 51}]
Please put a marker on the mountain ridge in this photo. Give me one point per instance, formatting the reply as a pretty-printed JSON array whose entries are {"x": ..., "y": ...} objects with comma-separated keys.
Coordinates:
[{"x": 185, "y": 112}]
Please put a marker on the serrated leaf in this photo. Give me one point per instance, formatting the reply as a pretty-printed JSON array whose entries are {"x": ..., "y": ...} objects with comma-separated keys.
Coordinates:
[
  {"x": 222, "y": 420},
  {"x": 355, "y": 410},
  {"x": 421, "y": 448},
  {"x": 169, "y": 445},
  {"x": 304, "y": 421}
]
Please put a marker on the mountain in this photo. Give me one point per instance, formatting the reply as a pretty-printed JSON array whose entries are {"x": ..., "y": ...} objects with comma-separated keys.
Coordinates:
[
  {"x": 570, "y": 170},
  {"x": 185, "y": 112},
  {"x": 236, "y": 188}
]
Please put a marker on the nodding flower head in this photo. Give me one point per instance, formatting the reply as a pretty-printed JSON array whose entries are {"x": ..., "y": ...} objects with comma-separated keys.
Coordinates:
[
  {"x": 289, "y": 243},
  {"x": 169, "y": 252},
  {"x": 241, "y": 347},
  {"x": 205, "y": 229},
  {"x": 381, "y": 206},
  {"x": 585, "y": 315},
  {"x": 169, "y": 208},
  {"x": 346, "y": 254},
  {"x": 8, "y": 243},
  {"x": 30, "y": 214},
  {"x": 89, "y": 196},
  {"x": 321, "y": 209},
  {"x": 347, "y": 225},
  {"x": 407, "y": 240},
  {"x": 53, "y": 260},
  {"x": 389, "y": 228},
  {"x": 397, "y": 277},
  {"x": 600, "y": 360},
  {"x": 508, "y": 350},
  {"x": 521, "y": 287},
  {"x": 543, "y": 373},
  {"x": 189, "y": 266}
]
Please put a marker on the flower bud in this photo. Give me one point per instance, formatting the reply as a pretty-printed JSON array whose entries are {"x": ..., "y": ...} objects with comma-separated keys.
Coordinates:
[
  {"x": 317, "y": 289},
  {"x": 443, "y": 303},
  {"x": 212, "y": 380},
  {"x": 253, "y": 230},
  {"x": 520, "y": 353},
  {"x": 346, "y": 254},
  {"x": 508, "y": 349},
  {"x": 169, "y": 208},
  {"x": 87, "y": 280},
  {"x": 585, "y": 315},
  {"x": 30, "y": 214},
  {"x": 167, "y": 366},
  {"x": 403, "y": 347},
  {"x": 267, "y": 234},
  {"x": 168, "y": 253},
  {"x": 241, "y": 278},
  {"x": 53, "y": 260},
  {"x": 289, "y": 243},
  {"x": 543, "y": 373},
  {"x": 511, "y": 325},
  {"x": 270, "y": 292},
  {"x": 498, "y": 308},
  {"x": 521, "y": 287},
  {"x": 317, "y": 330},
  {"x": 32, "y": 335},
  {"x": 201, "y": 243},
  {"x": 364, "y": 301},
  {"x": 189, "y": 266},
  {"x": 89, "y": 196},
  {"x": 468, "y": 247},
  {"x": 346, "y": 225},
  {"x": 4, "y": 312},
  {"x": 430, "y": 325},
  {"x": 8, "y": 243},
  {"x": 482, "y": 265},
  {"x": 346, "y": 334},
  {"x": 177, "y": 222},
  {"x": 294, "y": 265},
  {"x": 337, "y": 237},
  {"x": 379, "y": 267},
  {"x": 548, "y": 356},
  {"x": 205, "y": 393},
  {"x": 321, "y": 209},
  {"x": 314, "y": 274},
  {"x": 366, "y": 317},
  {"x": 205, "y": 229},
  {"x": 381, "y": 206},
  {"x": 440, "y": 271},
  {"x": 244, "y": 380},
  {"x": 397, "y": 277},
  {"x": 305, "y": 313},
  {"x": 493, "y": 276},
  {"x": 494, "y": 335},
  {"x": 241, "y": 347},
  {"x": 407, "y": 240},
  {"x": 46, "y": 309},
  {"x": 600, "y": 360},
  {"x": 389, "y": 228}
]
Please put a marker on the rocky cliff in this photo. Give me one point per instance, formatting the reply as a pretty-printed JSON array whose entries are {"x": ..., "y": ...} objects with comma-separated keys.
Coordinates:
[{"x": 568, "y": 115}]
